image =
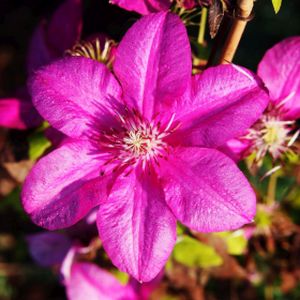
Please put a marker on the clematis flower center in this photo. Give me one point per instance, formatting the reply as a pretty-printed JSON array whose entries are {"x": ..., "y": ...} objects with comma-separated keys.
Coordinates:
[
  {"x": 271, "y": 134},
  {"x": 137, "y": 140},
  {"x": 275, "y": 132}
]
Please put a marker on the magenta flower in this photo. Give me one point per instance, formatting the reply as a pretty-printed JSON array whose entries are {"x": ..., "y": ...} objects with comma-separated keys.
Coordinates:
[
  {"x": 18, "y": 113},
  {"x": 143, "y": 145},
  {"x": 280, "y": 71},
  {"x": 143, "y": 7},
  {"x": 88, "y": 281},
  {"x": 52, "y": 38},
  {"x": 187, "y": 4}
]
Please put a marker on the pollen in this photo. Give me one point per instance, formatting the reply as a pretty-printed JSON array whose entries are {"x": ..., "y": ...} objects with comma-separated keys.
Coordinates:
[
  {"x": 271, "y": 135},
  {"x": 136, "y": 143},
  {"x": 136, "y": 140}
]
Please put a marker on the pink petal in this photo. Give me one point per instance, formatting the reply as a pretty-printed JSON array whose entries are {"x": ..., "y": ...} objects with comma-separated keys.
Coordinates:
[
  {"x": 136, "y": 227},
  {"x": 206, "y": 191},
  {"x": 64, "y": 28},
  {"x": 51, "y": 39},
  {"x": 144, "y": 290},
  {"x": 236, "y": 149},
  {"x": 187, "y": 4},
  {"x": 18, "y": 113},
  {"x": 153, "y": 62},
  {"x": 64, "y": 186},
  {"x": 226, "y": 101},
  {"x": 48, "y": 248},
  {"x": 280, "y": 71},
  {"x": 88, "y": 281},
  {"x": 74, "y": 93},
  {"x": 143, "y": 7}
]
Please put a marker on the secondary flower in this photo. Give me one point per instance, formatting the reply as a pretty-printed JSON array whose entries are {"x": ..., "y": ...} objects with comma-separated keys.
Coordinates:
[
  {"x": 274, "y": 132},
  {"x": 98, "y": 47},
  {"x": 52, "y": 38},
  {"x": 143, "y": 7},
  {"x": 83, "y": 279},
  {"x": 18, "y": 112},
  {"x": 88, "y": 281},
  {"x": 144, "y": 145}
]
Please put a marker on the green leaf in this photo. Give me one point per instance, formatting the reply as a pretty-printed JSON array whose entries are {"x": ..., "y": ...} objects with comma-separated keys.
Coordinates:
[
  {"x": 38, "y": 144},
  {"x": 180, "y": 229},
  {"x": 121, "y": 276},
  {"x": 192, "y": 253},
  {"x": 236, "y": 241},
  {"x": 263, "y": 219},
  {"x": 276, "y": 5}
]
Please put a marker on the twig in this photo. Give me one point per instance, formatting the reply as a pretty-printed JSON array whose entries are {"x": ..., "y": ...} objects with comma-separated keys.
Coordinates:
[{"x": 241, "y": 16}]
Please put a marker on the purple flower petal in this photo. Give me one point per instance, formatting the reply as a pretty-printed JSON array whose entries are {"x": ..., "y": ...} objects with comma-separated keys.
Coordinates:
[
  {"x": 280, "y": 71},
  {"x": 74, "y": 92},
  {"x": 136, "y": 227},
  {"x": 64, "y": 186},
  {"x": 65, "y": 26},
  {"x": 51, "y": 39},
  {"x": 18, "y": 113},
  {"x": 88, "y": 281},
  {"x": 187, "y": 4},
  {"x": 227, "y": 100},
  {"x": 206, "y": 191},
  {"x": 144, "y": 290},
  {"x": 48, "y": 248},
  {"x": 154, "y": 65},
  {"x": 143, "y": 7},
  {"x": 236, "y": 149}
]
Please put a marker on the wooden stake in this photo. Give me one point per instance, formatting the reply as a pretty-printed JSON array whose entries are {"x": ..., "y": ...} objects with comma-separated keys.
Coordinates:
[{"x": 242, "y": 16}]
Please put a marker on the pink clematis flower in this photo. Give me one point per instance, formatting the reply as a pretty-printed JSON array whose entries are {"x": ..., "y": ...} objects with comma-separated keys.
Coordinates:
[
  {"x": 18, "y": 112},
  {"x": 144, "y": 145},
  {"x": 143, "y": 7},
  {"x": 83, "y": 279},
  {"x": 52, "y": 38},
  {"x": 49, "y": 41},
  {"x": 280, "y": 71},
  {"x": 88, "y": 281}
]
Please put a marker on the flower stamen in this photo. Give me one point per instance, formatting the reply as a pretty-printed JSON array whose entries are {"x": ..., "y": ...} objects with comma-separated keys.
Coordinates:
[
  {"x": 137, "y": 140},
  {"x": 92, "y": 49},
  {"x": 271, "y": 134}
]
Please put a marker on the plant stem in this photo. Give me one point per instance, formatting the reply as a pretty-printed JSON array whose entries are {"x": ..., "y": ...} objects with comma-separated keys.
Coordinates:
[
  {"x": 271, "y": 193},
  {"x": 244, "y": 9},
  {"x": 202, "y": 26}
]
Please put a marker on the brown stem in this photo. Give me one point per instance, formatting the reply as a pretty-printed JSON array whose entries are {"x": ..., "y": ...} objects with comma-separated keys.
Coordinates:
[{"x": 242, "y": 15}]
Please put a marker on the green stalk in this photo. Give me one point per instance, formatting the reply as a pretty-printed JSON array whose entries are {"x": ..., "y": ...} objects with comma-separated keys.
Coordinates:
[
  {"x": 271, "y": 193},
  {"x": 202, "y": 26}
]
